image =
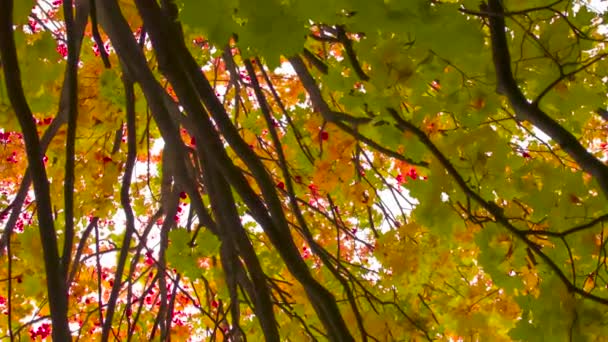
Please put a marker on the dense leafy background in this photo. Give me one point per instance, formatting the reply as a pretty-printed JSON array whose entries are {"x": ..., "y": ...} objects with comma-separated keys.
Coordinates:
[{"x": 309, "y": 170}]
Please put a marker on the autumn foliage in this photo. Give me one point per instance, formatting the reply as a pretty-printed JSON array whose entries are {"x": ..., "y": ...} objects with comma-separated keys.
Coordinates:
[{"x": 339, "y": 170}]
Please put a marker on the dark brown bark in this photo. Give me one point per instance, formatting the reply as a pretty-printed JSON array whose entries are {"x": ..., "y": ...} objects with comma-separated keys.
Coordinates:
[{"x": 56, "y": 286}]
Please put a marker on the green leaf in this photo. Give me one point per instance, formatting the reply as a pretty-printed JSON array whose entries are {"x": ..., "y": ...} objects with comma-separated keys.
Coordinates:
[
  {"x": 457, "y": 39},
  {"x": 33, "y": 284},
  {"x": 390, "y": 136},
  {"x": 180, "y": 255},
  {"x": 207, "y": 244},
  {"x": 550, "y": 317},
  {"x": 266, "y": 22},
  {"x": 111, "y": 87},
  {"x": 583, "y": 17},
  {"x": 212, "y": 18},
  {"x": 22, "y": 10}
]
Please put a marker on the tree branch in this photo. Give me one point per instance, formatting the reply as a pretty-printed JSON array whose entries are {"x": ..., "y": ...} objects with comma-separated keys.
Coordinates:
[
  {"x": 126, "y": 204},
  {"x": 56, "y": 287},
  {"x": 183, "y": 72},
  {"x": 491, "y": 207},
  {"x": 524, "y": 110},
  {"x": 71, "y": 80}
]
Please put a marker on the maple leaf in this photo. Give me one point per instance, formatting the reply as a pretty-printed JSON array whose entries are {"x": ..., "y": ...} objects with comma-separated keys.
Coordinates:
[{"x": 303, "y": 170}]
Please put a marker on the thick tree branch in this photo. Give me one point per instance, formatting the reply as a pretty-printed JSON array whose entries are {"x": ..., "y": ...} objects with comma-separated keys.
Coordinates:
[
  {"x": 350, "y": 52},
  {"x": 168, "y": 224},
  {"x": 491, "y": 207},
  {"x": 82, "y": 10},
  {"x": 293, "y": 203},
  {"x": 316, "y": 62},
  {"x": 162, "y": 106},
  {"x": 235, "y": 240},
  {"x": 162, "y": 34},
  {"x": 118, "y": 31},
  {"x": 56, "y": 287},
  {"x": 97, "y": 37},
  {"x": 524, "y": 110},
  {"x": 126, "y": 204},
  {"x": 72, "y": 109}
]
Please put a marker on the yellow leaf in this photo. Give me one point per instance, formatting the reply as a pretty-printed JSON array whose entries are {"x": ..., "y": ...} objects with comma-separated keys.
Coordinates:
[{"x": 589, "y": 283}]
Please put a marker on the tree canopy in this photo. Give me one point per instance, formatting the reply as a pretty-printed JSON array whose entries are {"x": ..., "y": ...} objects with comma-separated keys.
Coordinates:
[{"x": 295, "y": 170}]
